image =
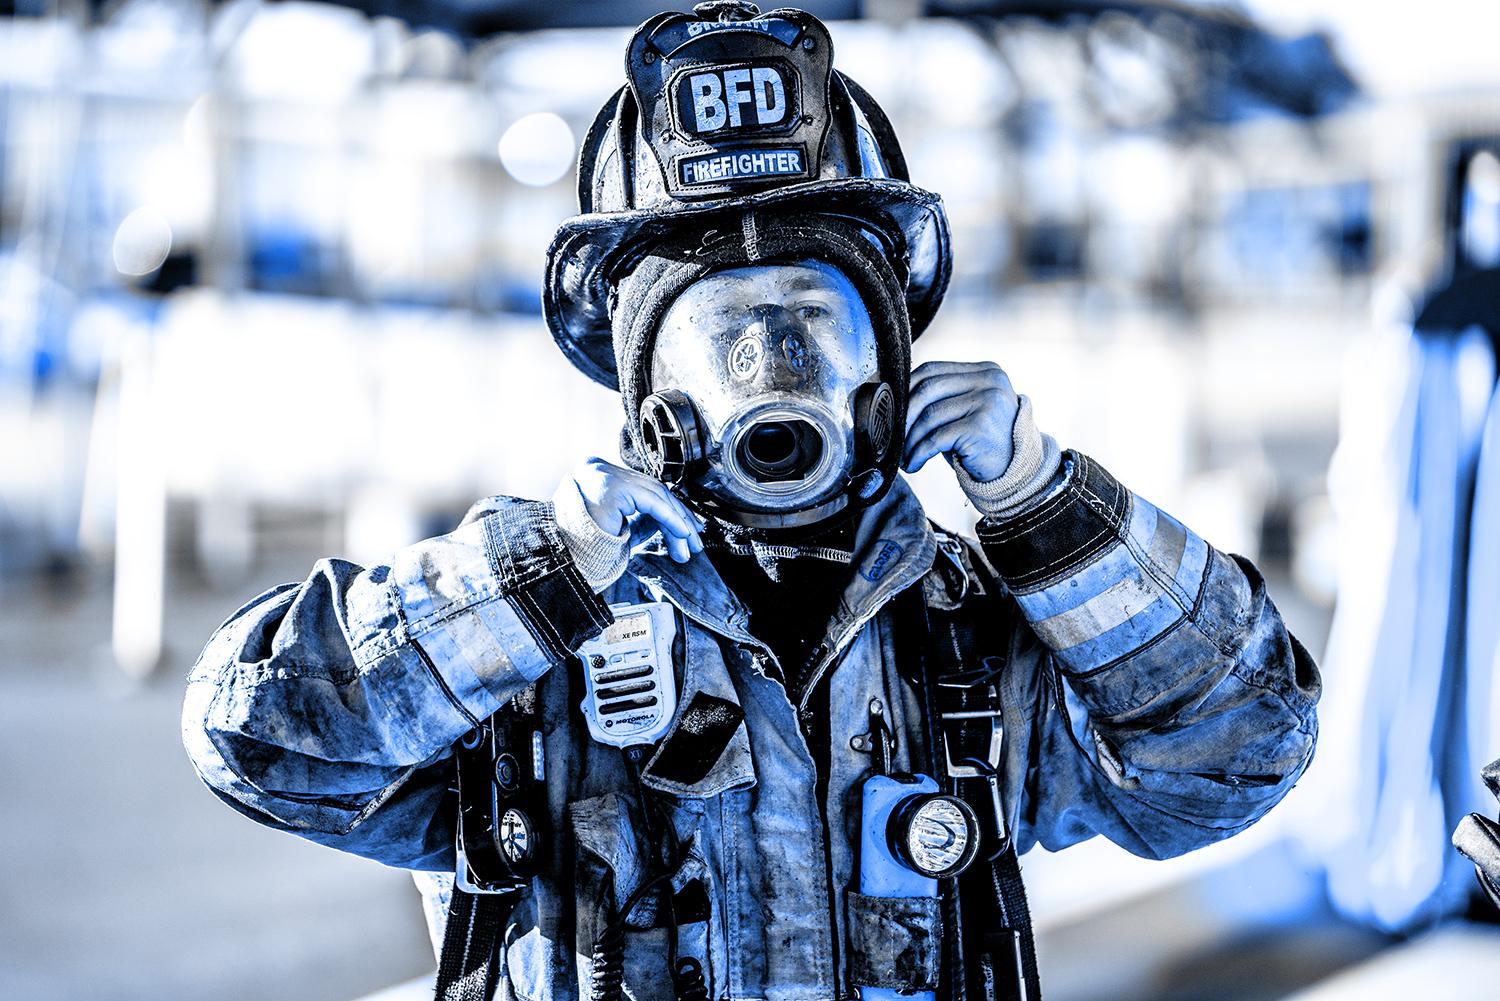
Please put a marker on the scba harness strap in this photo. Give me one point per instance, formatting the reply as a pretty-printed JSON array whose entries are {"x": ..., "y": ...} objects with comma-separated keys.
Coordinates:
[
  {"x": 954, "y": 653},
  {"x": 955, "y": 648},
  {"x": 469, "y": 969},
  {"x": 501, "y": 822}
]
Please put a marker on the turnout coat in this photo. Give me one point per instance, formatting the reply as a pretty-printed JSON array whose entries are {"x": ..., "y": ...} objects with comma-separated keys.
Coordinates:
[{"x": 1150, "y": 694}]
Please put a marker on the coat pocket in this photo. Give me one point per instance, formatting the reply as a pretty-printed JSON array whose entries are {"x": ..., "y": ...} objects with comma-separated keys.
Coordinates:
[
  {"x": 894, "y": 942},
  {"x": 621, "y": 896}
]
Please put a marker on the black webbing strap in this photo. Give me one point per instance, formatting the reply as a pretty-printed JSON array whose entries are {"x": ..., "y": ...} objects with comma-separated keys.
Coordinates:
[
  {"x": 960, "y": 654},
  {"x": 470, "y": 967},
  {"x": 501, "y": 825},
  {"x": 1009, "y": 959}
]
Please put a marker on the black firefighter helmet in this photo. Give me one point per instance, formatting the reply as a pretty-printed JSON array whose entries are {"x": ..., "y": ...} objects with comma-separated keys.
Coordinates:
[{"x": 727, "y": 111}]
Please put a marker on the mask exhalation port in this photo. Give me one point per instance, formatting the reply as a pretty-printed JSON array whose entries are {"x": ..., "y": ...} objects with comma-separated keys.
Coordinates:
[{"x": 773, "y": 451}]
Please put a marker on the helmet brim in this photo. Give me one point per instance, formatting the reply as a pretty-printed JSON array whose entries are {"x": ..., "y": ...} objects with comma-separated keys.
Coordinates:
[{"x": 591, "y": 252}]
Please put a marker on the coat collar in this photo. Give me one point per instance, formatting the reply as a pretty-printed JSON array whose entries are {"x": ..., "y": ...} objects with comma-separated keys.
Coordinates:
[{"x": 893, "y": 547}]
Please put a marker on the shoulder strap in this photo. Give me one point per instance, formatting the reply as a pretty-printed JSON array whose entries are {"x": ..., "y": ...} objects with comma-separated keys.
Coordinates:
[
  {"x": 1006, "y": 970},
  {"x": 955, "y": 656},
  {"x": 469, "y": 968},
  {"x": 501, "y": 822}
]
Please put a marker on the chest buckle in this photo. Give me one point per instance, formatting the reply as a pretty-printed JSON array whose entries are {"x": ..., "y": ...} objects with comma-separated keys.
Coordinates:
[{"x": 961, "y": 727}]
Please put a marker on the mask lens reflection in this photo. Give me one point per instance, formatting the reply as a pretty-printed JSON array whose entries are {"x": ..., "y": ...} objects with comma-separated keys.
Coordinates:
[{"x": 780, "y": 450}]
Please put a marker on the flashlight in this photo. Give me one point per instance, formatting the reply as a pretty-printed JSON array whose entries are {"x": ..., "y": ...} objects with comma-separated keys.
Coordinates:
[{"x": 911, "y": 836}]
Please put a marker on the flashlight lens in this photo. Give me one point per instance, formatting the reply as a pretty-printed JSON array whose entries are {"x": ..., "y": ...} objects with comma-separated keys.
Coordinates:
[{"x": 935, "y": 835}]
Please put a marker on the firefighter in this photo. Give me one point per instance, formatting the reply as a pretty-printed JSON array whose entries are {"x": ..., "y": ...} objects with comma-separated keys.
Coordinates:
[{"x": 730, "y": 717}]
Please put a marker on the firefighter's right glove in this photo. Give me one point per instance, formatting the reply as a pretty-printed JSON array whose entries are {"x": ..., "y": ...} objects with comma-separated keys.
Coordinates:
[{"x": 604, "y": 511}]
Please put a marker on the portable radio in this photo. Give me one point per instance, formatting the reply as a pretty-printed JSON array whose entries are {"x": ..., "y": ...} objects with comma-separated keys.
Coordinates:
[
  {"x": 502, "y": 796},
  {"x": 630, "y": 690}
]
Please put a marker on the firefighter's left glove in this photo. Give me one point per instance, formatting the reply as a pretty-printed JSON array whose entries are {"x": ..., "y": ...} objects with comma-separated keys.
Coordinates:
[
  {"x": 604, "y": 511},
  {"x": 969, "y": 413}
]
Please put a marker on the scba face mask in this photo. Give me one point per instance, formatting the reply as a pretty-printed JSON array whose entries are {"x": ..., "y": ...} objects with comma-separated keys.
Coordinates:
[{"x": 767, "y": 402}]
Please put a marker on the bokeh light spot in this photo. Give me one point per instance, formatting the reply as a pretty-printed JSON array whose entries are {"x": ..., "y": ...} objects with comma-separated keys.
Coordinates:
[
  {"x": 142, "y": 242},
  {"x": 538, "y": 149}
]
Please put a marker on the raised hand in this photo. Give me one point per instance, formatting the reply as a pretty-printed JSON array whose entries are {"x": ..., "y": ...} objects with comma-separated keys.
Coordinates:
[
  {"x": 616, "y": 496},
  {"x": 966, "y": 409}
]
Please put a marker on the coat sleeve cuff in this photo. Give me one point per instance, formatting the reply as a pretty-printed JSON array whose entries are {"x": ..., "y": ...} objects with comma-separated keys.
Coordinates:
[
  {"x": 496, "y": 603},
  {"x": 1101, "y": 573},
  {"x": 599, "y": 556},
  {"x": 538, "y": 577},
  {"x": 1071, "y": 526}
]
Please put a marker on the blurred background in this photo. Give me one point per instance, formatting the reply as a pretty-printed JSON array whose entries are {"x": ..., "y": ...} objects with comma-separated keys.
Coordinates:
[{"x": 270, "y": 291}]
